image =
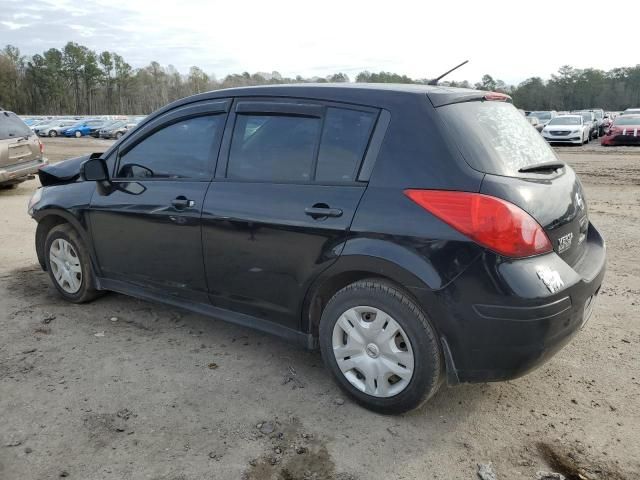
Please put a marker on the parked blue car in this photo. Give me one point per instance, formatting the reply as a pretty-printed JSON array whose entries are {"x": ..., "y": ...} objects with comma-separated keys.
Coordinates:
[{"x": 82, "y": 128}]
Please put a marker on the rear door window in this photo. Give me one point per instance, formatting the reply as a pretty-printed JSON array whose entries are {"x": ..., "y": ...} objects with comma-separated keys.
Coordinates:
[
  {"x": 344, "y": 140},
  {"x": 273, "y": 147},
  {"x": 12, "y": 127},
  {"x": 494, "y": 137}
]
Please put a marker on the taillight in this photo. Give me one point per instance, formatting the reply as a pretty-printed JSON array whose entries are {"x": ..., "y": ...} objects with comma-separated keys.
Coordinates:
[
  {"x": 41, "y": 146},
  {"x": 492, "y": 222}
]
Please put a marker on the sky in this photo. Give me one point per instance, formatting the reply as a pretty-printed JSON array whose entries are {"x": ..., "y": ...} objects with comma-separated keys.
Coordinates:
[{"x": 510, "y": 40}]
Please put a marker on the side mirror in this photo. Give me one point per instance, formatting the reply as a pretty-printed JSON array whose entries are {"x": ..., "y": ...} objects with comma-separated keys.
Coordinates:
[{"x": 95, "y": 170}]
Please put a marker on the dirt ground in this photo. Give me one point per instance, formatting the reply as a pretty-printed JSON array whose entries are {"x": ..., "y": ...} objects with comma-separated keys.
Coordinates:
[{"x": 126, "y": 389}]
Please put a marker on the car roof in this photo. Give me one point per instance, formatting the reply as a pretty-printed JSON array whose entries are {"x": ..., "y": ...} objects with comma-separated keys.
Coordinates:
[{"x": 378, "y": 93}]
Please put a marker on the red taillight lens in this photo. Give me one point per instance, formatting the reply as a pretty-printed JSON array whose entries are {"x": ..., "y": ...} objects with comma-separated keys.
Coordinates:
[
  {"x": 492, "y": 222},
  {"x": 41, "y": 147}
]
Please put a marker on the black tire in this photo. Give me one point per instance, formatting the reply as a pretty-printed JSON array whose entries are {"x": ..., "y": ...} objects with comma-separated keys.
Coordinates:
[
  {"x": 53, "y": 133},
  {"x": 87, "y": 290},
  {"x": 427, "y": 374},
  {"x": 119, "y": 135}
]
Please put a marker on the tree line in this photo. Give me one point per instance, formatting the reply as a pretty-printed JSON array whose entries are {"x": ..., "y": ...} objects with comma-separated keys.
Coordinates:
[{"x": 78, "y": 80}]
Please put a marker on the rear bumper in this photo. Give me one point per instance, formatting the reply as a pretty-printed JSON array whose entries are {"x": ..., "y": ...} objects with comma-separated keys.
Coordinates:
[
  {"x": 16, "y": 173},
  {"x": 498, "y": 320}
]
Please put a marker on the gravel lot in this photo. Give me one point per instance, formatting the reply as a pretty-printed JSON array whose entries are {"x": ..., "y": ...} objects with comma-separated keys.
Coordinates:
[{"x": 126, "y": 389}]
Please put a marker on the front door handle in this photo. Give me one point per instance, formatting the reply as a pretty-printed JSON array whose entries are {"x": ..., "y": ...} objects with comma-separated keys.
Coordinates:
[
  {"x": 182, "y": 202},
  {"x": 318, "y": 212}
]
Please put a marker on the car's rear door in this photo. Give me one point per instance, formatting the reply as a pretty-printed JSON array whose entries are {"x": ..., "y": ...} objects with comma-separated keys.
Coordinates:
[
  {"x": 282, "y": 201},
  {"x": 146, "y": 228}
]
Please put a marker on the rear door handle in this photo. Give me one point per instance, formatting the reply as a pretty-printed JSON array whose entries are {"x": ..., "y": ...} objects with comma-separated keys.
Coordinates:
[
  {"x": 181, "y": 202},
  {"x": 322, "y": 212}
]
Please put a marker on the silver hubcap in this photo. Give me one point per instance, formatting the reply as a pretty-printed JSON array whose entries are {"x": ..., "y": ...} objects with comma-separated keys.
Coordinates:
[
  {"x": 373, "y": 351},
  {"x": 65, "y": 265}
]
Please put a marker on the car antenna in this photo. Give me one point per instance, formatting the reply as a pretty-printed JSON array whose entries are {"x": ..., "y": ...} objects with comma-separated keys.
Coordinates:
[{"x": 436, "y": 80}]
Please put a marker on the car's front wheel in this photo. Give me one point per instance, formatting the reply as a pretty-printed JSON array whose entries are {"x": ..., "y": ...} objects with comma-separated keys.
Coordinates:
[
  {"x": 53, "y": 133},
  {"x": 380, "y": 347},
  {"x": 78, "y": 134},
  {"x": 69, "y": 264}
]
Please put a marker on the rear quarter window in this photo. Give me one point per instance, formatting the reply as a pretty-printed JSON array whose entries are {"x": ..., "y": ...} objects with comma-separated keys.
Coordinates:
[
  {"x": 494, "y": 137},
  {"x": 344, "y": 140},
  {"x": 12, "y": 127}
]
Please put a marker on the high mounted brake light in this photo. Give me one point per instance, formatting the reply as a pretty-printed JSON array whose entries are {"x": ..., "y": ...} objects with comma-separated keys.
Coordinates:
[
  {"x": 489, "y": 221},
  {"x": 497, "y": 97}
]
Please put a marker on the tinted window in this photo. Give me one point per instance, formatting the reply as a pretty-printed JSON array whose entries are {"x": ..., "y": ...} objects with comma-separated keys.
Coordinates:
[
  {"x": 273, "y": 147},
  {"x": 181, "y": 150},
  {"x": 12, "y": 127},
  {"x": 344, "y": 140},
  {"x": 494, "y": 137}
]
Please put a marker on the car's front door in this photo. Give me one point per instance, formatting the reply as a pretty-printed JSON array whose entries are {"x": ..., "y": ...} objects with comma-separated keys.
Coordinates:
[
  {"x": 146, "y": 226},
  {"x": 282, "y": 202}
]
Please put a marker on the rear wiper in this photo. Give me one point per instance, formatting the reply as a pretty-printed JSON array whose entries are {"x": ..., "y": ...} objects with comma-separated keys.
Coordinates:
[{"x": 542, "y": 167}]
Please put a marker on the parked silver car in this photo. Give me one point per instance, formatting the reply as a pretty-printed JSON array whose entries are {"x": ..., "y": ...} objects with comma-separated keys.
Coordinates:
[
  {"x": 54, "y": 128},
  {"x": 20, "y": 150}
]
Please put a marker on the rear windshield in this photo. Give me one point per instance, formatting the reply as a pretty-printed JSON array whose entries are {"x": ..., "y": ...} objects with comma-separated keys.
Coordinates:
[
  {"x": 494, "y": 137},
  {"x": 12, "y": 127}
]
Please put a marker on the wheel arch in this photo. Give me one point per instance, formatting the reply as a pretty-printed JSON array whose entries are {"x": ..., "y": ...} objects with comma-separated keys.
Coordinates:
[
  {"x": 349, "y": 269},
  {"x": 50, "y": 218}
]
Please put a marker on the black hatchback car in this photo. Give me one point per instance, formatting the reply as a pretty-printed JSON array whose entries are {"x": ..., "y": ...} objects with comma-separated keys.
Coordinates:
[{"x": 416, "y": 234}]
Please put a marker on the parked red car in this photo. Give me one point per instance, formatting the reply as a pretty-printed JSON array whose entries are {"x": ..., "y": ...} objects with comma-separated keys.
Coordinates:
[{"x": 625, "y": 130}]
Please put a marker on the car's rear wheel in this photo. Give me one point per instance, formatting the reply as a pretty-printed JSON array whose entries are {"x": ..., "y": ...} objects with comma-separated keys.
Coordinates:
[
  {"x": 119, "y": 135},
  {"x": 69, "y": 264},
  {"x": 78, "y": 134},
  {"x": 53, "y": 133},
  {"x": 380, "y": 347}
]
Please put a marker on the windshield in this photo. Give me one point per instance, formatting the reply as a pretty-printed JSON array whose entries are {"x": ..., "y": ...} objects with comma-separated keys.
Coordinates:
[
  {"x": 12, "y": 127},
  {"x": 542, "y": 116},
  {"x": 565, "y": 121},
  {"x": 627, "y": 120},
  {"x": 494, "y": 137}
]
